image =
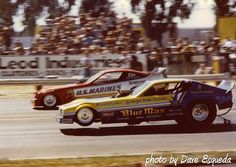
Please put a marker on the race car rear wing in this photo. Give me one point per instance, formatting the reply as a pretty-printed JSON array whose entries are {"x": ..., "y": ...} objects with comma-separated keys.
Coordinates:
[
  {"x": 226, "y": 85},
  {"x": 159, "y": 71}
]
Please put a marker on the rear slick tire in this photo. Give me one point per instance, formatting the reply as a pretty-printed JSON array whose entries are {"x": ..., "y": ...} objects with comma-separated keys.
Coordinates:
[{"x": 200, "y": 114}]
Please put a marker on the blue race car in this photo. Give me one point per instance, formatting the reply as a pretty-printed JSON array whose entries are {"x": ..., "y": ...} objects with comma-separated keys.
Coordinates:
[{"x": 188, "y": 102}]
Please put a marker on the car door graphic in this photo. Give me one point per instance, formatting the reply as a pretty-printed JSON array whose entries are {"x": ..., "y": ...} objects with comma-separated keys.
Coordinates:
[
  {"x": 154, "y": 103},
  {"x": 108, "y": 84}
]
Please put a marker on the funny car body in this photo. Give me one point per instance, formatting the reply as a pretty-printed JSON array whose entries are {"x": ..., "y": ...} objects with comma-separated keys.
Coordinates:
[
  {"x": 104, "y": 83},
  {"x": 187, "y": 102}
]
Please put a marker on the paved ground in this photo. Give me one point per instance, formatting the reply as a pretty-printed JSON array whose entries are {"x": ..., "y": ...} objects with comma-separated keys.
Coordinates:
[{"x": 26, "y": 133}]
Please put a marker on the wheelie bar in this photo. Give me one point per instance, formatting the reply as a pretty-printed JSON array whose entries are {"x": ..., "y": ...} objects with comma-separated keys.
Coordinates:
[{"x": 226, "y": 121}]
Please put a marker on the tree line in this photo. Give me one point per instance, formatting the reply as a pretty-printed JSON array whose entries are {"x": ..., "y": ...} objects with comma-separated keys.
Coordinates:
[{"x": 157, "y": 16}]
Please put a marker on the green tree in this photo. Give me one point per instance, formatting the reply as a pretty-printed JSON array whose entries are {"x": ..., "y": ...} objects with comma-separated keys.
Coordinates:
[
  {"x": 158, "y": 15},
  {"x": 32, "y": 9},
  {"x": 7, "y": 9},
  {"x": 225, "y": 7}
]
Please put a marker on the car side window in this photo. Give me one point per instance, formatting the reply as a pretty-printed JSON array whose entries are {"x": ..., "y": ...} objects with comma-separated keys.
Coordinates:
[
  {"x": 184, "y": 86},
  {"x": 130, "y": 76},
  {"x": 108, "y": 78},
  {"x": 161, "y": 89}
]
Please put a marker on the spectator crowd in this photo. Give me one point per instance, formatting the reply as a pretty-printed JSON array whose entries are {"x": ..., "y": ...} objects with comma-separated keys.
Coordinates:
[
  {"x": 69, "y": 35},
  {"x": 103, "y": 33}
]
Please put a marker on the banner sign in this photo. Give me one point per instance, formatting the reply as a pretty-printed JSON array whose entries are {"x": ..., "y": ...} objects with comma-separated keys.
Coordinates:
[{"x": 59, "y": 65}]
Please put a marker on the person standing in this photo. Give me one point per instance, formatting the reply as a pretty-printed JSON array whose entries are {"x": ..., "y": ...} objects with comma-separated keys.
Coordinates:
[
  {"x": 86, "y": 64},
  {"x": 135, "y": 64},
  {"x": 202, "y": 69}
]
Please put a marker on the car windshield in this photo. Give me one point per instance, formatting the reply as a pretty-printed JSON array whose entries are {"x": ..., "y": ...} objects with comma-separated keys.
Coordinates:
[
  {"x": 140, "y": 88},
  {"x": 94, "y": 77},
  {"x": 122, "y": 93}
]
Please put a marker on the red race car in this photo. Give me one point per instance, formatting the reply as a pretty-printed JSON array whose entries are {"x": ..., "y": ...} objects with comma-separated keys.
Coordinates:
[{"x": 104, "y": 83}]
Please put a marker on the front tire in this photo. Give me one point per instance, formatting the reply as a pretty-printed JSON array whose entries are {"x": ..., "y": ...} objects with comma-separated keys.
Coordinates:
[
  {"x": 50, "y": 101},
  {"x": 85, "y": 116},
  {"x": 200, "y": 114}
]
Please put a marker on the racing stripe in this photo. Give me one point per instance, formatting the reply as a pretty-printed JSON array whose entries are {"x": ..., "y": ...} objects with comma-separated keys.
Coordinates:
[
  {"x": 136, "y": 106},
  {"x": 94, "y": 95}
]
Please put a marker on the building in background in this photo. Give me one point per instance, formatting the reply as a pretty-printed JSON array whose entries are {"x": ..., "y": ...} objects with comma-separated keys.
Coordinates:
[{"x": 226, "y": 27}]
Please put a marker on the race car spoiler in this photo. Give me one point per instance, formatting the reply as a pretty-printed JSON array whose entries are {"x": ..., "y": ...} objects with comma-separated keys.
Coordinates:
[
  {"x": 159, "y": 70},
  {"x": 226, "y": 85}
]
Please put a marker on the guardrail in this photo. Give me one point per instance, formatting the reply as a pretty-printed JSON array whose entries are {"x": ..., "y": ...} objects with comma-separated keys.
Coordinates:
[{"x": 54, "y": 80}]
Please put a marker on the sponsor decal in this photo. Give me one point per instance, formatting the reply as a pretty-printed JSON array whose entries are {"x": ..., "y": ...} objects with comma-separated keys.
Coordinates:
[
  {"x": 92, "y": 90},
  {"x": 122, "y": 119},
  {"x": 110, "y": 104},
  {"x": 65, "y": 62},
  {"x": 203, "y": 91},
  {"x": 137, "y": 102},
  {"x": 43, "y": 65},
  {"x": 148, "y": 100},
  {"x": 29, "y": 73},
  {"x": 175, "y": 110},
  {"x": 20, "y": 64},
  {"x": 146, "y": 111},
  {"x": 108, "y": 114},
  {"x": 174, "y": 114},
  {"x": 75, "y": 62},
  {"x": 223, "y": 98}
]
